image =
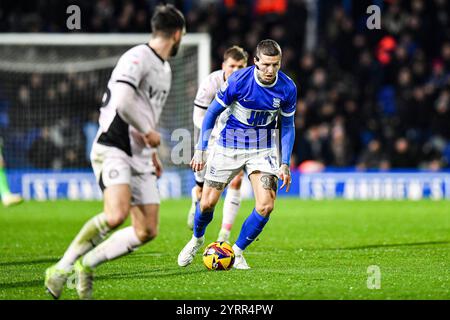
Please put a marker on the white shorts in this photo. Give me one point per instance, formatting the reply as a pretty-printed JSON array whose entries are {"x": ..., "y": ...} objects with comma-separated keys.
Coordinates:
[
  {"x": 112, "y": 166},
  {"x": 224, "y": 164}
]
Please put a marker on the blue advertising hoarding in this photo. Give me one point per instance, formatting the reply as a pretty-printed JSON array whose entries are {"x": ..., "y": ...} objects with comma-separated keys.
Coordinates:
[{"x": 81, "y": 185}]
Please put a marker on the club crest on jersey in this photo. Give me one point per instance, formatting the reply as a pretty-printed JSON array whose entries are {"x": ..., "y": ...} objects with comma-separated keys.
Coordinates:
[
  {"x": 113, "y": 174},
  {"x": 276, "y": 102}
]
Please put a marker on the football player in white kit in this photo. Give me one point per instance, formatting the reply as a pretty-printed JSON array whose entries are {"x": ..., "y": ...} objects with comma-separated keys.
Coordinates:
[
  {"x": 124, "y": 157},
  {"x": 234, "y": 58}
]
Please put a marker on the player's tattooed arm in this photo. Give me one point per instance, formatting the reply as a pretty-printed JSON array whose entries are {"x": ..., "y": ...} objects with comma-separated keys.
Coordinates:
[
  {"x": 215, "y": 184},
  {"x": 269, "y": 182}
]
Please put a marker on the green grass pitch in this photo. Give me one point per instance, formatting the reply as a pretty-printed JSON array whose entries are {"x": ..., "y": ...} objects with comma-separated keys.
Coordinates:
[{"x": 308, "y": 250}]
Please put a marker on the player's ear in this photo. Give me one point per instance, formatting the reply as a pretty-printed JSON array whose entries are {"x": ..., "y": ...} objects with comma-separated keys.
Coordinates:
[
  {"x": 177, "y": 35},
  {"x": 255, "y": 61}
]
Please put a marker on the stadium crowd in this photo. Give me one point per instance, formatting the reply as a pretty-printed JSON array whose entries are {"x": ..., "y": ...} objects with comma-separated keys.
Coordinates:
[{"x": 370, "y": 98}]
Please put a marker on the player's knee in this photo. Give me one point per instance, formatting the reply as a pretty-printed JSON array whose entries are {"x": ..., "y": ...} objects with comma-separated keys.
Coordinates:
[
  {"x": 115, "y": 220},
  {"x": 207, "y": 204},
  {"x": 146, "y": 233},
  {"x": 264, "y": 209},
  {"x": 198, "y": 191},
  {"x": 117, "y": 215}
]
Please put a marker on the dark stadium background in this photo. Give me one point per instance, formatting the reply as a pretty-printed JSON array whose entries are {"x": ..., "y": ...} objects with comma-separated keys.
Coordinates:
[
  {"x": 374, "y": 99},
  {"x": 373, "y": 116}
]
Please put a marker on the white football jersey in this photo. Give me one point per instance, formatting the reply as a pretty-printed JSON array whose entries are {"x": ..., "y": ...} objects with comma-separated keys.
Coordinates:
[
  {"x": 205, "y": 95},
  {"x": 208, "y": 88},
  {"x": 144, "y": 70}
]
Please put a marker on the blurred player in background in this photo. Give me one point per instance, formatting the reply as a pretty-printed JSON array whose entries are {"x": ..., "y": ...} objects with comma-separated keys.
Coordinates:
[
  {"x": 249, "y": 103},
  {"x": 234, "y": 58},
  {"x": 124, "y": 157},
  {"x": 8, "y": 198}
]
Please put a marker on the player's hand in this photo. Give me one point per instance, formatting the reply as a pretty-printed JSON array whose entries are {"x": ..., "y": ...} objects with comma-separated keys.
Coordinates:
[
  {"x": 285, "y": 175},
  {"x": 158, "y": 165},
  {"x": 152, "y": 138},
  {"x": 198, "y": 160}
]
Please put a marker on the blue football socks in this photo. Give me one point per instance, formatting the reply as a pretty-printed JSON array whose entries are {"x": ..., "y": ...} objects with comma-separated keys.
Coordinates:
[
  {"x": 251, "y": 228},
  {"x": 201, "y": 221}
]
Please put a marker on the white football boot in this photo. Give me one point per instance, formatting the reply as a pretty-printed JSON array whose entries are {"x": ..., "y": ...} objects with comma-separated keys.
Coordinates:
[
  {"x": 239, "y": 260},
  {"x": 190, "y": 249},
  {"x": 11, "y": 199},
  {"x": 84, "y": 280},
  {"x": 55, "y": 280}
]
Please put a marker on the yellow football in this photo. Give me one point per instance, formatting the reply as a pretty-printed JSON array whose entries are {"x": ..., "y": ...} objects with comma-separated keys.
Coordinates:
[{"x": 218, "y": 256}]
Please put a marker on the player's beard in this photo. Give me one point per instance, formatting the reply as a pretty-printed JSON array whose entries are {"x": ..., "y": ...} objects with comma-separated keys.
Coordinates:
[{"x": 175, "y": 48}]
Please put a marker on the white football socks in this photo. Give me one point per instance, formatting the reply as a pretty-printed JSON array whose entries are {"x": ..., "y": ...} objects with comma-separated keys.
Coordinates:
[
  {"x": 194, "y": 194},
  {"x": 230, "y": 208},
  {"x": 121, "y": 242},
  {"x": 91, "y": 234}
]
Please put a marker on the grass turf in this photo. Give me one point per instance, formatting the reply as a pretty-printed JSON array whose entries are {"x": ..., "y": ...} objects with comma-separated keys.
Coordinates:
[{"x": 308, "y": 250}]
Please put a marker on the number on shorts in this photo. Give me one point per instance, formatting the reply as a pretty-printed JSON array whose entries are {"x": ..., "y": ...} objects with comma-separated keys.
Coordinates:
[{"x": 271, "y": 161}]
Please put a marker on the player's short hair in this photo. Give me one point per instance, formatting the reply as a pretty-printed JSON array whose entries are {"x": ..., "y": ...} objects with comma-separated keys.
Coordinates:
[
  {"x": 236, "y": 53},
  {"x": 166, "y": 20},
  {"x": 267, "y": 47}
]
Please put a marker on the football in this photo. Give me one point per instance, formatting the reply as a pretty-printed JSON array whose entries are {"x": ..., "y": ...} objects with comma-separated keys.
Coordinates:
[{"x": 218, "y": 256}]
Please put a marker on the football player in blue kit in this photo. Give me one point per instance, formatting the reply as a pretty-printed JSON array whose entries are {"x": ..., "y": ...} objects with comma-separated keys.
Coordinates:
[{"x": 248, "y": 103}]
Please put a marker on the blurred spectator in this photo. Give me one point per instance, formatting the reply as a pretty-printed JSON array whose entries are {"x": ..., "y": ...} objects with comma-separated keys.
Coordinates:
[
  {"x": 440, "y": 123},
  {"x": 373, "y": 157},
  {"x": 403, "y": 156},
  {"x": 313, "y": 145},
  {"x": 43, "y": 153},
  {"x": 340, "y": 147},
  {"x": 71, "y": 159}
]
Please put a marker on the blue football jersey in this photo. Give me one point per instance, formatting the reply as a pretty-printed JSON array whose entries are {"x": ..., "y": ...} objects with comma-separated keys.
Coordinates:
[{"x": 251, "y": 109}]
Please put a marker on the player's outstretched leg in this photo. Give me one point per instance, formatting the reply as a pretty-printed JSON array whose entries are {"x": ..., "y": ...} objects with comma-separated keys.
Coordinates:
[
  {"x": 145, "y": 220},
  {"x": 92, "y": 233},
  {"x": 264, "y": 186},
  {"x": 121, "y": 242},
  {"x": 230, "y": 207},
  {"x": 203, "y": 216},
  {"x": 117, "y": 206}
]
